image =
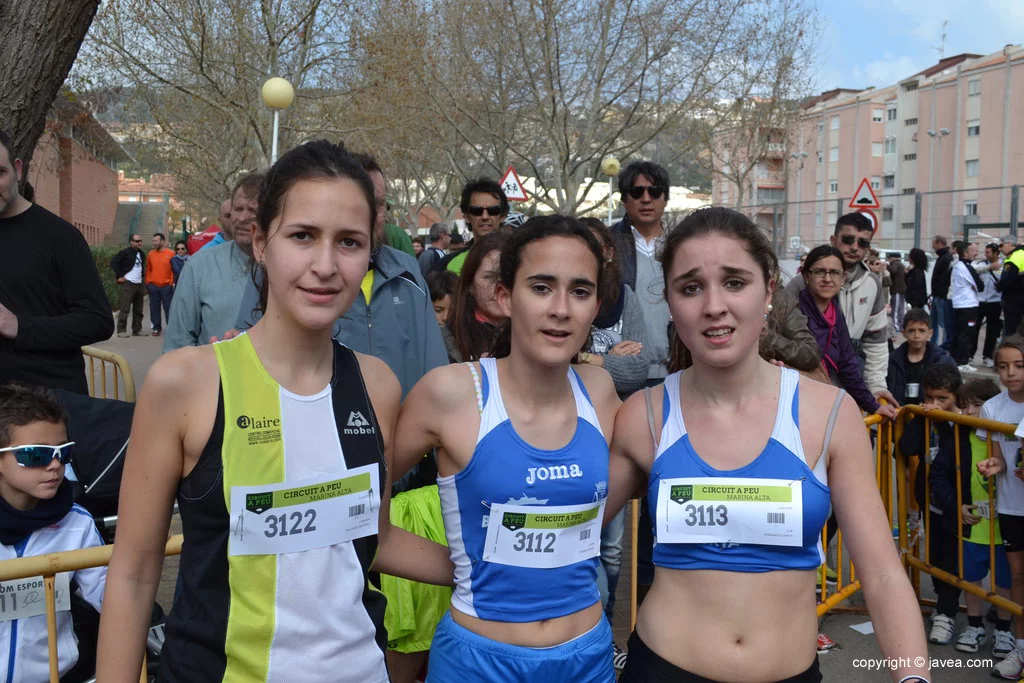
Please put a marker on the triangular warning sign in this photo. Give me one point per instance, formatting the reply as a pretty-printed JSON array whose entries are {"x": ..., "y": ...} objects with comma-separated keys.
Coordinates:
[
  {"x": 865, "y": 197},
  {"x": 512, "y": 186}
]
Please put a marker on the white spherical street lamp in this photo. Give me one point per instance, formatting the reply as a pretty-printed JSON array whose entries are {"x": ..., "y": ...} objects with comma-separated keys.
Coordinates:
[
  {"x": 610, "y": 167},
  {"x": 277, "y": 94}
]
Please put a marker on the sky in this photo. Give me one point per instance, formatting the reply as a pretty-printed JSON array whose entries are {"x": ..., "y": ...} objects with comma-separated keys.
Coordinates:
[{"x": 878, "y": 42}]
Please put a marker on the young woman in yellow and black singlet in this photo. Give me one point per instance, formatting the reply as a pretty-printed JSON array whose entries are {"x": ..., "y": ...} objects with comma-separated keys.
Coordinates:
[{"x": 276, "y": 445}]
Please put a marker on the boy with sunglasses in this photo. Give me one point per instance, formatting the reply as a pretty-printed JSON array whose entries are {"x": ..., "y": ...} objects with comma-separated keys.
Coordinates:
[
  {"x": 862, "y": 301},
  {"x": 37, "y": 517}
]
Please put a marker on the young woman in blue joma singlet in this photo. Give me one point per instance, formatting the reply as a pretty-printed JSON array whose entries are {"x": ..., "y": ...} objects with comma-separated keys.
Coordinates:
[
  {"x": 523, "y": 473},
  {"x": 276, "y": 444},
  {"x": 741, "y": 461}
]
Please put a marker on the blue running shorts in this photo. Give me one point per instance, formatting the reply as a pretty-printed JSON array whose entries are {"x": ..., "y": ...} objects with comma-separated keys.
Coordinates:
[
  {"x": 976, "y": 564},
  {"x": 458, "y": 654}
]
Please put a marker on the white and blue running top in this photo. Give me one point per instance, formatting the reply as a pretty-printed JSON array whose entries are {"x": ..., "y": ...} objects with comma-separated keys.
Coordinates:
[{"x": 523, "y": 576}]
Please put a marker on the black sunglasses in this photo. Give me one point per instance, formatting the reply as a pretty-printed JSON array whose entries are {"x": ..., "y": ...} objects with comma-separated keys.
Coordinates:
[
  {"x": 479, "y": 210},
  {"x": 653, "y": 190},
  {"x": 850, "y": 239}
]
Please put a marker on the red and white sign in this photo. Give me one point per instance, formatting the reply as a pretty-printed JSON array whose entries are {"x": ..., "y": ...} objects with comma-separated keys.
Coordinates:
[
  {"x": 512, "y": 186},
  {"x": 871, "y": 217},
  {"x": 865, "y": 197}
]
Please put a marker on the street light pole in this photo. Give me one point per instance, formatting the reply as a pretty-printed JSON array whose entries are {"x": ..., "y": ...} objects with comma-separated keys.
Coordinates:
[
  {"x": 799, "y": 189},
  {"x": 610, "y": 167},
  {"x": 277, "y": 94}
]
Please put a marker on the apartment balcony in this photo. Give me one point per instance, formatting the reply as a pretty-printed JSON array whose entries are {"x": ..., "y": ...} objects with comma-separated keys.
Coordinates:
[
  {"x": 770, "y": 178},
  {"x": 776, "y": 149}
]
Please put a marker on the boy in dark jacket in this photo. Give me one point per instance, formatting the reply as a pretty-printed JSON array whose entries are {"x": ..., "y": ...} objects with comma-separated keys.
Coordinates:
[
  {"x": 939, "y": 383},
  {"x": 908, "y": 362}
]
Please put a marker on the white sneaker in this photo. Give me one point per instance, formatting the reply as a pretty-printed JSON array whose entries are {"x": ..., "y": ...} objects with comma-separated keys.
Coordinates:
[
  {"x": 942, "y": 630},
  {"x": 970, "y": 639},
  {"x": 967, "y": 367},
  {"x": 988, "y": 363},
  {"x": 1010, "y": 667},
  {"x": 1003, "y": 643}
]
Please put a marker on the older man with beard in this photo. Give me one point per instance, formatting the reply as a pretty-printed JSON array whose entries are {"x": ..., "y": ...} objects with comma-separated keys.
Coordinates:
[
  {"x": 51, "y": 298},
  {"x": 213, "y": 282}
]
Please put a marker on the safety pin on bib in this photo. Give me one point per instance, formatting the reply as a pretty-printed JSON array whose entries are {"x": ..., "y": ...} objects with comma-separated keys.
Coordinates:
[{"x": 240, "y": 527}]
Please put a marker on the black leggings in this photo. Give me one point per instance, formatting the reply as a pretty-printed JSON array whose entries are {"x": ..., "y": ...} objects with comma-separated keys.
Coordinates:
[{"x": 644, "y": 666}]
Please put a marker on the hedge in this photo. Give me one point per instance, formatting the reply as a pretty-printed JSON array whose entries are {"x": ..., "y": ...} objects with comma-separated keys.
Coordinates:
[{"x": 102, "y": 254}]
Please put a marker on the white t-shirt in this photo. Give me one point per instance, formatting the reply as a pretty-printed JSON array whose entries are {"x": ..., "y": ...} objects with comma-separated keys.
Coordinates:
[
  {"x": 1009, "y": 488},
  {"x": 135, "y": 274}
]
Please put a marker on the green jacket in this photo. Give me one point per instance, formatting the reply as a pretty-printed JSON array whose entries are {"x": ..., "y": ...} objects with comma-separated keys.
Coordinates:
[{"x": 398, "y": 239}]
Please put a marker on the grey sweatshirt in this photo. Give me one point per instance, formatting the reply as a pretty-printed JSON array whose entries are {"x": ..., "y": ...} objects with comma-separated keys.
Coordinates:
[{"x": 628, "y": 372}]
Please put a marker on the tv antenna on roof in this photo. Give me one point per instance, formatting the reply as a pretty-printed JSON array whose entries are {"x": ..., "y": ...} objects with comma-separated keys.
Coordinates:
[{"x": 942, "y": 41}]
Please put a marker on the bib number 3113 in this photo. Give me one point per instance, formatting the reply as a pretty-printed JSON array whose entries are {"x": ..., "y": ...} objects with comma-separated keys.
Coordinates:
[{"x": 543, "y": 537}]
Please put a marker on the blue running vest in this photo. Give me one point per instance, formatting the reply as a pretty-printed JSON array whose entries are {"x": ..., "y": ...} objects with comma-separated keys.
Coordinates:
[
  {"x": 782, "y": 458},
  {"x": 505, "y": 469}
]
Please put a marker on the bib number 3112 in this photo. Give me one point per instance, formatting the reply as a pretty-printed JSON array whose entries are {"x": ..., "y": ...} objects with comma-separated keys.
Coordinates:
[{"x": 543, "y": 536}]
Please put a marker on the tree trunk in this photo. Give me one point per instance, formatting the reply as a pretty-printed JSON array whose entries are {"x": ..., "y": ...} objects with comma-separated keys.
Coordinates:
[{"x": 39, "y": 40}]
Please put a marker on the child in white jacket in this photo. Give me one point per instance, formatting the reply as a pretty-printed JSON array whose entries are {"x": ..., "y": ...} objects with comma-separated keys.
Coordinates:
[{"x": 37, "y": 516}]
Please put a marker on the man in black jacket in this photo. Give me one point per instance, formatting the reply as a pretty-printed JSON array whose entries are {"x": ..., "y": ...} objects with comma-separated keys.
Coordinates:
[
  {"x": 942, "y": 305},
  {"x": 129, "y": 266},
  {"x": 51, "y": 299}
]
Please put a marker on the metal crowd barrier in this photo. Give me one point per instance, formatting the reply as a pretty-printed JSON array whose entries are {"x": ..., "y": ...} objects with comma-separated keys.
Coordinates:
[
  {"x": 48, "y": 566},
  {"x": 914, "y": 554},
  {"x": 98, "y": 386}
]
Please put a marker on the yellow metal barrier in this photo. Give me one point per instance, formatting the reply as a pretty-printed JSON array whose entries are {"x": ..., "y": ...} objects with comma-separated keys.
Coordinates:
[
  {"x": 48, "y": 566},
  {"x": 119, "y": 368},
  {"x": 886, "y": 454}
]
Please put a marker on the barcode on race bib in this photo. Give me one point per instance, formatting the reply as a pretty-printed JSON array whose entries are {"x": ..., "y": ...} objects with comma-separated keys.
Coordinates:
[
  {"x": 355, "y": 510},
  {"x": 585, "y": 534},
  {"x": 776, "y": 517}
]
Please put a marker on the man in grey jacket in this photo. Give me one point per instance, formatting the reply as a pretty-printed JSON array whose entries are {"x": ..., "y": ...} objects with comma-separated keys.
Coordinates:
[{"x": 213, "y": 280}]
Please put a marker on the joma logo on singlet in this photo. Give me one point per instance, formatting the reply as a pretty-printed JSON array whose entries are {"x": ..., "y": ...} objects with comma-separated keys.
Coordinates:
[
  {"x": 246, "y": 422},
  {"x": 535, "y": 474},
  {"x": 357, "y": 424}
]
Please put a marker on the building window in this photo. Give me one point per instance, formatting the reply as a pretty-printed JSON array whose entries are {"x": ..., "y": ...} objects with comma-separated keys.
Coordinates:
[
  {"x": 910, "y": 122},
  {"x": 725, "y": 193},
  {"x": 817, "y": 219},
  {"x": 821, "y": 126},
  {"x": 876, "y": 183},
  {"x": 974, "y": 86},
  {"x": 890, "y": 146},
  {"x": 770, "y": 195},
  {"x": 971, "y": 207},
  {"x": 889, "y": 181},
  {"x": 877, "y": 148},
  {"x": 834, "y": 124},
  {"x": 821, "y": 157},
  {"x": 973, "y": 167},
  {"x": 833, "y": 154},
  {"x": 973, "y": 129},
  {"x": 890, "y": 114},
  {"x": 910, "y": 157},
  {"x": 818, "y": 190},
  {"x": 876, "y": 115},
  {"x": 907, "y": 226},
  {"x": 886, "y": 213},
  {"x": 833, "y": 186},
  {"x": 910, "y": 87},
  {"x": 910, "y": 190}
]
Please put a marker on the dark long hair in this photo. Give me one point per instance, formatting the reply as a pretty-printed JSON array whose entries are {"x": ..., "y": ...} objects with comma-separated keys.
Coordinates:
[
  {"x": 714, "y": 220},
  {"x": 918, "y": 259},
  {"x": 315, "y": 160},
  {"x": 819, "y": 252},
  {"x": 533, "y": 230},
  {"x": 472, "y": 337},
  {"x": 611, "y": 281}
]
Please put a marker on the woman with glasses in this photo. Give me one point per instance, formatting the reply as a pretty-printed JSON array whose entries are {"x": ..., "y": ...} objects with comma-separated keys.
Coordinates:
[
  {"x": 823, "y": 274},
  {"x": 179, "y": 258}
]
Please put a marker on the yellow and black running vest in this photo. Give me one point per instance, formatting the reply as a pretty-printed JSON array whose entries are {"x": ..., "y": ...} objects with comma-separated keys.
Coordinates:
[{"x": 300, "y": 616}]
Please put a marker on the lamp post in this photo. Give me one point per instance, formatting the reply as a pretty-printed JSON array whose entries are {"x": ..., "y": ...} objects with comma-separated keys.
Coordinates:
[
  {"x": 277, "y": 94},
  {"x": 610, "y": 167},
  {"x": 798, "y": 156},
  {"x": 941, "y": 133}
]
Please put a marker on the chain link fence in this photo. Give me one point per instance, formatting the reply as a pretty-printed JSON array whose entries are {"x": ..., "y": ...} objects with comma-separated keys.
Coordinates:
[{"x": 904, "y": 220}]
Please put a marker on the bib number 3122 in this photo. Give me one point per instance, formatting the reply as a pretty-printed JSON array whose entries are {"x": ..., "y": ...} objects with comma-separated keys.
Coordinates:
[{"x": 278, "y": 525}]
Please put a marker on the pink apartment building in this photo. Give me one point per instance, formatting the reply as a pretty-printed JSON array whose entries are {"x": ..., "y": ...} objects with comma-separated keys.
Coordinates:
[{"x": 945, "y": 144}]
